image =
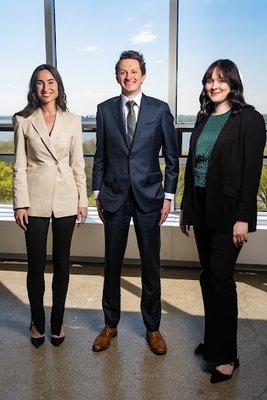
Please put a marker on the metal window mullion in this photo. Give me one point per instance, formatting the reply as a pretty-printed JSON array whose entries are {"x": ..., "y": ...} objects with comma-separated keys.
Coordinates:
[
  {"x": 50, "y": 32},
  {"x": 173, "y": 56}
]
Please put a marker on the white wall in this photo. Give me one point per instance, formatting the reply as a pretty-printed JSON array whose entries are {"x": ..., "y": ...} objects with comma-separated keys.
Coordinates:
[{"x": 175, "y": 248}]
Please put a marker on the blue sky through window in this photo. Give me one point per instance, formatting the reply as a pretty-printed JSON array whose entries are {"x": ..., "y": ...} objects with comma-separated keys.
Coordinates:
[{"x": 91, "y": 34}]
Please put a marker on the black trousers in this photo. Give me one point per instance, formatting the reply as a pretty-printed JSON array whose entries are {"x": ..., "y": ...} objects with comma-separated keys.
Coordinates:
[
  {"x": 36, "y": 240},
  {"x": 218, "y": 256},
  {"x": 147, "y": 230}
]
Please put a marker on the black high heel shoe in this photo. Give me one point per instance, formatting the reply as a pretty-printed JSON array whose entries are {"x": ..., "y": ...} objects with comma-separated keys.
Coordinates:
[
  {"x": 36, "y": 342},
  {"x": 56, "y": 341},
  {"x": 199, "y": 350},
  {"x": 218, "y": 376}
]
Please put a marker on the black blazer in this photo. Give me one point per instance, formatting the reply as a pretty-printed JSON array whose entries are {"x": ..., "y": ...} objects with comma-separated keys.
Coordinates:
[
  {"x": 233, "y": 175},
  {"x": 117, "y": 166}
]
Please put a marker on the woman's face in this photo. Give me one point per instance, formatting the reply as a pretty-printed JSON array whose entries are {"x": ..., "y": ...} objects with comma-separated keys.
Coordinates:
[
  {"x": 217, "y": 88},
  {"x": 46, "y": 87}
]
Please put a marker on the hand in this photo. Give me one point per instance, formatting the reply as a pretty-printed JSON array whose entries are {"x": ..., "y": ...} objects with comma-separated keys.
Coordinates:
[
  {"x": 100, "y": 211},
  {"x": 21, "y": 217},
  {"x": 165, "y": 211},
  {"x": 185, "y": 229},
  {"x": 81, "y": 215},
  {"x": 240, "y": 233}
]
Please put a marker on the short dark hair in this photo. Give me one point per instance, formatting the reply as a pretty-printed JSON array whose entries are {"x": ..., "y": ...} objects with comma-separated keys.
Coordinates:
[
  {"x": 135, "y": 55},
  {"x": 230, "y": 73},
  {"x": 33, "y": 100}
]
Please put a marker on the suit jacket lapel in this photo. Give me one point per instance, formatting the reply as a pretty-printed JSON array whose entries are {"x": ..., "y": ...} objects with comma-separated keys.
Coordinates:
[
  {"x": 39, "y": 125},
  {"x": 118, "y": 116},
  {"x": 145, "y": 110}
]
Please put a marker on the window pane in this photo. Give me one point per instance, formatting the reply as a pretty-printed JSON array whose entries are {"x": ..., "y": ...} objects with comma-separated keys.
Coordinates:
[
  {"x": 22, "y": 47},
  {"x": 88, "y": 171},
  {"x": 262, "y": 193},
  {"x": 180, "y": 187},
  {"x": 89, "y": 143},
  {"x": 5, "y": 182},
  {"x": 209, "y": 30},
  {"x": 6, "y": 142},
  {"x": 92, "y": 34}
]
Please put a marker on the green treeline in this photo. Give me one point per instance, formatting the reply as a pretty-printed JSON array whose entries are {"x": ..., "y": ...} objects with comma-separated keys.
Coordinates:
[
  {"x": 89, "y": 148},
  {"x": 7, "y": 147}
]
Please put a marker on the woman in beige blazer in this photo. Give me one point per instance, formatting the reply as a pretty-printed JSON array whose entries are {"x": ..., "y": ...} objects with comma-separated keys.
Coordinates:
[{"x": 49, "y": 182}]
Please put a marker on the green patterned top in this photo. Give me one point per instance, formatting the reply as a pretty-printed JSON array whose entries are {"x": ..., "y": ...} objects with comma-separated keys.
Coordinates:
[{"x": 205, "y": 145}]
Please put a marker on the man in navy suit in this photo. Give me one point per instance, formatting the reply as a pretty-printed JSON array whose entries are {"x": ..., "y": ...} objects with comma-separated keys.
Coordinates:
[{"x": 127, "y": 182}]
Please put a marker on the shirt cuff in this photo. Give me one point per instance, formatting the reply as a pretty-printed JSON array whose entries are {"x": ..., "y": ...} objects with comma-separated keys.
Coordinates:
[
  {"x": 170, "y": 196},
  {"x": 96, "y": 193}
]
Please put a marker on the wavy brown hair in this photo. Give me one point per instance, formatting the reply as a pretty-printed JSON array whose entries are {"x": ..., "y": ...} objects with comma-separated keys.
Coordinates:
[
  {"x": 33, "y": 100},
  {"x": 230, "y": 73}
]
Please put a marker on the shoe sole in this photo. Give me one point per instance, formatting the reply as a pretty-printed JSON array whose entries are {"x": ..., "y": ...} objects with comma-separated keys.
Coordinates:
[{"x": 158, "y": 353}]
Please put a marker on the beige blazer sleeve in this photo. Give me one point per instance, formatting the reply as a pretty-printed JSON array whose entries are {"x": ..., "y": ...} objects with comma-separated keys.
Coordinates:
[{"x": 20, "y": 186}]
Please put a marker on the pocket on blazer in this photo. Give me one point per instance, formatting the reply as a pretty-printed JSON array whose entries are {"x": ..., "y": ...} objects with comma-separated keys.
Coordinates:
[
  {"x": 154, "y": 177},
  {"x": 229, "y": 191}
]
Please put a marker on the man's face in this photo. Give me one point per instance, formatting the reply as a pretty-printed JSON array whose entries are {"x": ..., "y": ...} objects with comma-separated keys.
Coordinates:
[{"x": 130, "y": 77}]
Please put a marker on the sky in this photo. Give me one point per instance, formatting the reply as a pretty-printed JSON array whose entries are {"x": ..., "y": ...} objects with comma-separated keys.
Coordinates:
[{"x": 91, "y": 34}]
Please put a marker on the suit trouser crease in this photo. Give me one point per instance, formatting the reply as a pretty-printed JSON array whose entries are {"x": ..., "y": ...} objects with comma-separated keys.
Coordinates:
[
  {"x": 218, "y": 256},
  {"x": 148, "y": 238},
  {"x": 36, "y": 243}
]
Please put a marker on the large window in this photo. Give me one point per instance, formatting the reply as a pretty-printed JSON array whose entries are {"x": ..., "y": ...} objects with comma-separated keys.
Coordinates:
[
  {"x": 209, "y": 30},
  {"x": 92, "y": 34},
  {"x": 90, "y": 37},
  {"x": 22, "y": 48}
]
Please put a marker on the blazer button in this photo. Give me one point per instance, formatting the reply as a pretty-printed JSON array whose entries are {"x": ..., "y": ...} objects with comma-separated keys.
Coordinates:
[{"x": 131, "y": 157}]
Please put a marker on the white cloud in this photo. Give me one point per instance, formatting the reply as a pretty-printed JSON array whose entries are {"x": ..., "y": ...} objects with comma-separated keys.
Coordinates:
[
  {"x": 129, "y": 19},
  {"x": 148, "y": 25},
  {"x": 90, "y": 48},
  {"x": 144, "y": 37},
  {"x": 159, "y": 62}
]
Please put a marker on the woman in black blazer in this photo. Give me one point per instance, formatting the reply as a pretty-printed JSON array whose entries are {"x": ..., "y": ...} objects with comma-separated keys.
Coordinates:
[{"x": 220, "y": 201}]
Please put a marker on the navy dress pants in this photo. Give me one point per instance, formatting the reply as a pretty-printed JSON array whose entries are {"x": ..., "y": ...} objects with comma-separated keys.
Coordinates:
[{"x": 147, "y": 230}]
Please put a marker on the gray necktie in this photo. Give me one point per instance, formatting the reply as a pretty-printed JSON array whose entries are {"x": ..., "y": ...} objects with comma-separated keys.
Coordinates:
[{"x": 131, "y": 120}]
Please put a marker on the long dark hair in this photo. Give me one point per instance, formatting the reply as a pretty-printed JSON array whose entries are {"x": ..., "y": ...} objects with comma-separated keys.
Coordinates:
[
  {"x": 230, "y": 73},
  {"x": 33, "y": 101}
]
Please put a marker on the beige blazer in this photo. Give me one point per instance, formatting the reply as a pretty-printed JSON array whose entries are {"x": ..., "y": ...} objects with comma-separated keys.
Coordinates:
[{"x": 49, "y": 174}]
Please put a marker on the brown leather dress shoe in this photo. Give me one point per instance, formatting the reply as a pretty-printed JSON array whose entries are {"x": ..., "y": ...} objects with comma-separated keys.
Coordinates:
[
  {"x": 102, "y": 341},
  {"x": 156, "y": 342}
]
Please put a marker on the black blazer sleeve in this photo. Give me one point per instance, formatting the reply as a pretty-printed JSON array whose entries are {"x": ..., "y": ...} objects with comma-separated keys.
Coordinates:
[{"x": 254, "y": 137}]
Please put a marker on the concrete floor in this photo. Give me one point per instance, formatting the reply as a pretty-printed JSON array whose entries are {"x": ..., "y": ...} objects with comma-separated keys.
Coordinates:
[{"x": 127, "y": 370}]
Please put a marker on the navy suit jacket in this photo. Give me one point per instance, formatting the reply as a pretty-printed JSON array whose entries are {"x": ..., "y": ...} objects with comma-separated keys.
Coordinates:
[{"x": 119, "y": 166}]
